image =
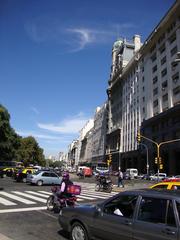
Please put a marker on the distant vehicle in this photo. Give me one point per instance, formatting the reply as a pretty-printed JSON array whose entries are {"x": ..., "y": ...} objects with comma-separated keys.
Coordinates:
[
  {"x": 172, "y": 179},
  {"x": 162, "y": 176},
  {"x": 21, "y": 174},
  {"x": 100, "y": 168},
  {"x": 132, "y": 172},
  {"x": 136, "y": 214},
  {"x": 44, "y": 177},
  {"x": 7, "y": 167},
  {"x": 84, "y": 171}
]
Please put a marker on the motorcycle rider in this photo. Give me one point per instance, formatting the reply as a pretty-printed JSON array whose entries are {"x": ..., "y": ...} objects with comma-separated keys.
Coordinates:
[{"x": 62, "y": 191}]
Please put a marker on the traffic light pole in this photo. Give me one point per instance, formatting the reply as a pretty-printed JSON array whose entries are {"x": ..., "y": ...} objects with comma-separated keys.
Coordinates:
[
  {"x": 158, "y": 145},
  {"x": 147, "y": 157}
]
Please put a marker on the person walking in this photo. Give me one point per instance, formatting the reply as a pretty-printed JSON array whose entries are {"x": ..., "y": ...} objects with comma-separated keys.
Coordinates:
[{"x": 120, "y": 178}]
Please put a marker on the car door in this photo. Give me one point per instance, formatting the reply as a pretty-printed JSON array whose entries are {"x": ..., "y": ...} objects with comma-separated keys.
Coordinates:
[
  {"x": 155, "y": 220},
  {"x": 46, "y": 177},
  {"x": 115, "y": 220},
  {"x": 54, "y": 179}
]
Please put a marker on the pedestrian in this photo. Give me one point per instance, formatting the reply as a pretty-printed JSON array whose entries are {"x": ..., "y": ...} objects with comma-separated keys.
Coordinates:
[{"x": 120, "y": 178}]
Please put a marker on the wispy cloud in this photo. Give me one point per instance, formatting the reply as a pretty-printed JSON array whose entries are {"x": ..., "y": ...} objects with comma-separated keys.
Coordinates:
[
  {"x": 68, "y": 126},
  {"x": 35, "y": 110},
  {"x": 40, "y": 136},
  {"x": 76, "y": 38}
]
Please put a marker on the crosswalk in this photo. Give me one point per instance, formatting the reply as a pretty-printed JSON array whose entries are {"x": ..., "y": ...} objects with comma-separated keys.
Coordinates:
[{"x": 36, "y": 200}]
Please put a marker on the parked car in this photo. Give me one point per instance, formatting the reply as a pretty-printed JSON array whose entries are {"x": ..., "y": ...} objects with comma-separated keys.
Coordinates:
[
  {"x": 167, "y": 185},
  {"x": 136, "y": 214},
  {"x": 44, "y": 177},
  {"x": 162, "y": 176}
]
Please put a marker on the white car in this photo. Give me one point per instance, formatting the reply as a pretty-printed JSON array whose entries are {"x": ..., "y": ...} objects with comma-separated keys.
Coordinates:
[{"x": 162, "y": 176}]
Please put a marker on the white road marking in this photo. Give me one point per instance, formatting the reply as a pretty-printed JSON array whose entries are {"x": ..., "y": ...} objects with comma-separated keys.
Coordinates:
[
  {"x": 37, "y": 194},
  {"x": 23, "y": 209},
  {"x": 6, "y": 202},
  {"x": 48, "y": 193},
  {"x": 12, "y": 196},
  {"x": 29, "y": 196}
]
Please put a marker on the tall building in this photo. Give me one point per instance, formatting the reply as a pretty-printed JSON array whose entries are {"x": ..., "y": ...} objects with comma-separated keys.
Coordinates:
[{"x": 144, "y": 93}]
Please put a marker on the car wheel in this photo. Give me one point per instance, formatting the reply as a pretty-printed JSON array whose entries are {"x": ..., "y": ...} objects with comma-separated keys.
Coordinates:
[
  {"x": 50, "y": 203},
  {"x": 78, "y": 232},
  {"x": 24, "y": 180},
  {"x": 39, "y": 183}
]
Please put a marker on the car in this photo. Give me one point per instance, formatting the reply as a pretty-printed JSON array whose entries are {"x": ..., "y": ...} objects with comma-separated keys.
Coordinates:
[
  {"x": 167, "y": 185},
  {"x": 134, "y": 214},
  {"x": 21, "y": 174},
  {"x": 161, "y": 176},
  {"x": 172, "y": 179},
  {"x": 44, "y": 177}
]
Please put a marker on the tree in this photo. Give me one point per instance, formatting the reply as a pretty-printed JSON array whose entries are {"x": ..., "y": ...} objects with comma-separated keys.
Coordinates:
[
  {"x": 9, "y": 140},
  {"x": 30, "y": 152}
]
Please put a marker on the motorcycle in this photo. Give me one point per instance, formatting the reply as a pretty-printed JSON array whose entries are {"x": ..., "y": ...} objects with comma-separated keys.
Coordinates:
[
  {"x": 105, "y": 185},
  {"x": 56, "y": 203}
]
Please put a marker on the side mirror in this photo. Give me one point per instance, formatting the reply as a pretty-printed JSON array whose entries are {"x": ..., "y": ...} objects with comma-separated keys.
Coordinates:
[{"x": 99, "y": 210}]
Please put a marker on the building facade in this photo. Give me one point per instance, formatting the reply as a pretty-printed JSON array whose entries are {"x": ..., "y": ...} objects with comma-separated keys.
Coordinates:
[{"x": 144, "y": 86}]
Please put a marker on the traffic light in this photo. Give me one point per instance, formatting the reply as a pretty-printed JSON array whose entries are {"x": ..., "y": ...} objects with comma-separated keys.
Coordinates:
[
  {"x": 110, "y": 157},
  {"x": 160, "y": 160},
  {"x": 156, "y": 160},
  {"x": 138, "y": 137},
  {"x": 161, "y": 166}
]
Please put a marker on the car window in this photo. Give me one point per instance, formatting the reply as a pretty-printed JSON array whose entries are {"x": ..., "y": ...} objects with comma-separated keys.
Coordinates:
[
  {"x": 164, "y": 186},
  {"x": 121, "y": 206},
  {"x": 53, "y": 175},
  {"x": 175, "y": 187},
  {"x": 46, "y": 174},
  {"x": 152, "y": 210},
  {"x": 170, "y": 215}
]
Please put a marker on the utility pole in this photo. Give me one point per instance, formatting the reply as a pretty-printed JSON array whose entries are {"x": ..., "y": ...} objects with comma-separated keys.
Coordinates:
[{"x": 158, "y": 145}]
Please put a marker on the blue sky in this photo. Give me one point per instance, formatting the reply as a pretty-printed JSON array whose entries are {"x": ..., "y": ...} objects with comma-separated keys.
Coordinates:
[{"x": 55, "y": 58}]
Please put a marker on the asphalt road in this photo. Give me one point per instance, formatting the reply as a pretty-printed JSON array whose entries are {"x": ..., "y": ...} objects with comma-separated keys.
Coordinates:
[{"x": 25, "y": 219}]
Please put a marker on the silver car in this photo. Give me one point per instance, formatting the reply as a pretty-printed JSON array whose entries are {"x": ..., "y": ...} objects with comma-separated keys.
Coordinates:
[{"x": 44, "y": 178}]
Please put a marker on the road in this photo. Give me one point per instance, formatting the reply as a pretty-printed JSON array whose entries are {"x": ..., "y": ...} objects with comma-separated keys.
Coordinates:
[{"x": 23, "y": 213}]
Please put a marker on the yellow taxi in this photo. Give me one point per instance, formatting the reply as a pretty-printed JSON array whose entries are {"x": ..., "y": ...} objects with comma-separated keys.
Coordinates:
[{"x": 167, "y": 185}]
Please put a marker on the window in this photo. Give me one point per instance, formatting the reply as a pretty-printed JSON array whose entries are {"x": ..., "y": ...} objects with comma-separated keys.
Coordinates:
[
  {"x": 53, "y": 175},
  {"x": 175, "y": 77},
  {"x": 152, "y": 210},
  {"x": 172, "y": 38},
  {"x": 174, "y": 51},
  {"x": 163, "y": 60},
  {"x": 155, "y": 103},
  {"x": 155, "y": 79},
  {"x": 176, "y": 90},
  {"x": 161, "y": 38},
  {"x": 154, "y": 69},
  {"x": 153, "y": 57},
  {"x": 165, "y": 97},
  {"x": 46, "y": 174},
  {"x": 155, "y": 91},
  {"x": 164, "y": 85},
  {"x": 163, "y": 72},
  {"x": 162, "y": 48},
  {"x": 122, "y": 206}
]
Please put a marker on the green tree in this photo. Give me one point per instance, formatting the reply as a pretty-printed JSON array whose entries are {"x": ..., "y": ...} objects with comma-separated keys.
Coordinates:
[
  {"x": 9, "y": 140},
  {"x": 29, "y": 152}
]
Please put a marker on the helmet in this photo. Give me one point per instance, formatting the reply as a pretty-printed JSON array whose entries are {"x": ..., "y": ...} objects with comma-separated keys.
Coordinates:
[{"x": 65, "y": 175}]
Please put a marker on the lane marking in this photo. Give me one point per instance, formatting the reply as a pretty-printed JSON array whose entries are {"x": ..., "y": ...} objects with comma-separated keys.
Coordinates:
[
  {"x": 48, "y": 193},
  {"x": 30, "y": 196},
  {"x": 12, "y": 196},
  {"x": 6, "y": 202},
  {"x": 37, "y": 194},
  {"x": 22, "y": 209}
]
